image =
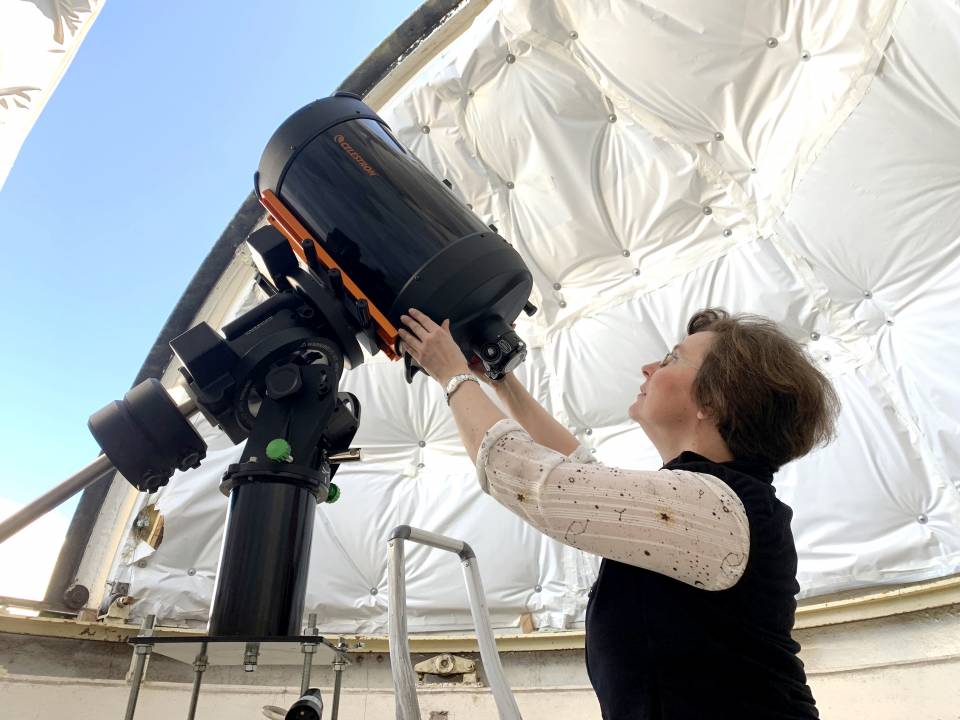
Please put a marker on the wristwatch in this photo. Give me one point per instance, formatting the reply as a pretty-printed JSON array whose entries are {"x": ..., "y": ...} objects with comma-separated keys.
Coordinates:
[{"x": 456, "y": 381}]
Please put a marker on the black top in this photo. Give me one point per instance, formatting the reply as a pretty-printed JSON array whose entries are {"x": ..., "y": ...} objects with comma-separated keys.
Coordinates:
[{"x": 658, "y": 648}]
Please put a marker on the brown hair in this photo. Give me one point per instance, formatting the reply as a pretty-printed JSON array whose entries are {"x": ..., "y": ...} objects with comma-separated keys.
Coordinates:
[{"x": 771, "y": 404}]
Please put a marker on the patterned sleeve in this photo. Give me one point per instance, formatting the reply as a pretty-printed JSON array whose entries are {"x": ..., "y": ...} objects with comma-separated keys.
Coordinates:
[{"x": 689, "y": 526}]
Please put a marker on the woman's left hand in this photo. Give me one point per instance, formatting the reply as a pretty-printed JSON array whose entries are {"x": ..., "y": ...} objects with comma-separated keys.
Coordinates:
[{"x": 432, "y": 346}]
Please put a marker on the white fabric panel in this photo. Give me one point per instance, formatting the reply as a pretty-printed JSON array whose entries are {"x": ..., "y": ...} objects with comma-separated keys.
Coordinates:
[
  {"x": 38, "y": 40},
  {"x": 586, "y": 132}
]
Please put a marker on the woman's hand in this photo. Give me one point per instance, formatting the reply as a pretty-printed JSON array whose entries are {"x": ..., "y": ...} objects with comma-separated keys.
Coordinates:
[{"x": 432, "y": 346}]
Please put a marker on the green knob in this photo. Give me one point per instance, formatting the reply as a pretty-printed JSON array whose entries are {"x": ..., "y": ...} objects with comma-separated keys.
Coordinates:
[
  {"x": 333, "y": 494},
  {"x": 279, "y": 450}
]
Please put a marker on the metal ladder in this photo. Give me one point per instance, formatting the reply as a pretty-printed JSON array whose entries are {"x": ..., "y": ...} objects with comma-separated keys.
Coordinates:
[{"x": 405, "y": 684}]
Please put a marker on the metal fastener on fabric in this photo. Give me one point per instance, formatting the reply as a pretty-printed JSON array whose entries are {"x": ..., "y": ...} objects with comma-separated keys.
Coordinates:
[
  {"x": 707, "y": 210},
  {"x": 611, "y": 118},
  {"x": 867, "y": 294},
  {"x": 511, "y": 58},
  {"x": 422, "y": 443},
  {"x": 727, "y": 232},
  {"x": 373, "y": 591},
  {"x": 827, "y": 358},
  {"x": 510, "y": 185},
  {"x": 192, "y": 571},
  {"x": 636, "y": 271},
  {"x": 419, "y": 466},
  {"x": 562, "y": 303},
  {"x": 537, "y": 588},
  {"x": 470, "y": 93},
  {"x": 922, "y": 518},
  {"x": 425, "y": 129},
  {"x": 556, "y": 286},
  {"x": 772, "y": 42},
  {"x": 718, "y": 136},
  {"x": 574, "y": 34},
  {"x": 626, "y": 253},
  {"x": 805, "y": 56},
  {"x": 814, "y": 335}
]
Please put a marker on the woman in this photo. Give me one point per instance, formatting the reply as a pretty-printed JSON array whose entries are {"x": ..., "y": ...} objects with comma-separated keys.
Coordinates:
[{"x": 692, "y": 612}]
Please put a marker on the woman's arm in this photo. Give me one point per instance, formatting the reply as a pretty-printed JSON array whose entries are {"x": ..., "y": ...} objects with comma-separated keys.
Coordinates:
[
  {"x": 688, "y": 526},
  {"x": 540, "y": 424}
]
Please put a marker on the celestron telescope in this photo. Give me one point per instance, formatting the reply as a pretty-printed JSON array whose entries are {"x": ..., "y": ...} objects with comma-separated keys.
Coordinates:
[{"x": 359, "y": 231}]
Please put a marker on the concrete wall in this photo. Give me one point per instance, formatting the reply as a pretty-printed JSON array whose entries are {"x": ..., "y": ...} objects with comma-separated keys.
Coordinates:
[{"x": 904, "y": 666}]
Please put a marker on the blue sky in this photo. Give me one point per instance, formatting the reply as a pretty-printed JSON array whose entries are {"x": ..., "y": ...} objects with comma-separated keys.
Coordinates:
[{"x": 137, "y": 163}]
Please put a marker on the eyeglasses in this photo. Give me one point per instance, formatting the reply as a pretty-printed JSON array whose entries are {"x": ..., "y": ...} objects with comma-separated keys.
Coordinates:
[{"x": 672, "y": 357}]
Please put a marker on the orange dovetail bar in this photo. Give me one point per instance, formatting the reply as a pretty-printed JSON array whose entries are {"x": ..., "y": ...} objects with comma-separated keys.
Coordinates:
[{"x": 284, "y": 221}]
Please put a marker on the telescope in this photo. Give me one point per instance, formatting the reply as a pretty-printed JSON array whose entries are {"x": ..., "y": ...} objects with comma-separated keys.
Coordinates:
[{"x": 358, "y": 232}]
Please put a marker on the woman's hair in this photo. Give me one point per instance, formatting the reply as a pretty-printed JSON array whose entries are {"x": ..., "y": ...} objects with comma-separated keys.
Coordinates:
[{"x": 771, "y": 404}]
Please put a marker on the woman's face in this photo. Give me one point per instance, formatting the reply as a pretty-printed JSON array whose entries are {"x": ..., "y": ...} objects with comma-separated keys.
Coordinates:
[{"x": 665, "y": 404}]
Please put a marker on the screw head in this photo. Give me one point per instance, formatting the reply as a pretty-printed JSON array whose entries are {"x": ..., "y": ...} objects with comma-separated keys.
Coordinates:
[{"x": 772, "y": 42}]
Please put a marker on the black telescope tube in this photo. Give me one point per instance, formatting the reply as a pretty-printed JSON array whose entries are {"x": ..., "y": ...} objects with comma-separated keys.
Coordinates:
[{"x": 262, "y": 578}]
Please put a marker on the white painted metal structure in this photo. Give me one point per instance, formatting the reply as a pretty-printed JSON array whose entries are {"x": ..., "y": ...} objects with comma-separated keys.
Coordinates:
[{"x": 798, "y": 160}]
